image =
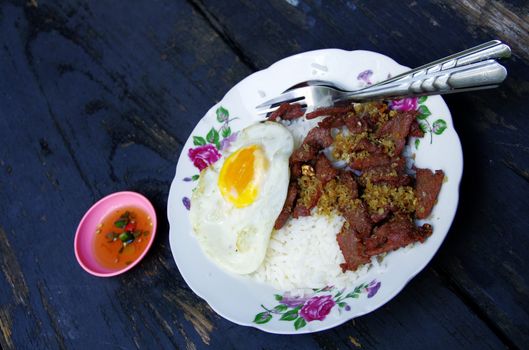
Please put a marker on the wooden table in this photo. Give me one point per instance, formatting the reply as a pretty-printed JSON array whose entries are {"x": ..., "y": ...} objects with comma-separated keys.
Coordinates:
[{"x": 99, "y": 96}]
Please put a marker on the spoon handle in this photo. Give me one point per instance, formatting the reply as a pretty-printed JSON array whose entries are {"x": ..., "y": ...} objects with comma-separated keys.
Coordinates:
[
  {"x": 482, "y": 52},
  {"x": 475, "y": 76}
]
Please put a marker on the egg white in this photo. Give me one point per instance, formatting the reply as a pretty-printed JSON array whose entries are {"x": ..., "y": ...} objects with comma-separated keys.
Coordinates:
[{"x": 237, "y": 238}]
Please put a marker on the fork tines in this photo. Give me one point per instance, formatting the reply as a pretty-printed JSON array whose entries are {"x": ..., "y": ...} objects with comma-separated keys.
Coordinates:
[{"x": 292, "y": 96}]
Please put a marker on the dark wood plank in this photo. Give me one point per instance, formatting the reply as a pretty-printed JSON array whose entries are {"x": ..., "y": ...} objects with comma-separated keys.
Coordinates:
[{"x": 99, "y": 97}]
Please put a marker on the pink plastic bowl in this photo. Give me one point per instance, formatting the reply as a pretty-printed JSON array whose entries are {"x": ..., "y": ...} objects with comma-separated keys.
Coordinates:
[{"x": 84, "y": 237}]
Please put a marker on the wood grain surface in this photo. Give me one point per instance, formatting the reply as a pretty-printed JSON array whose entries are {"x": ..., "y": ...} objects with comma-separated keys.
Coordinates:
[{"x": 99, "y": 96}]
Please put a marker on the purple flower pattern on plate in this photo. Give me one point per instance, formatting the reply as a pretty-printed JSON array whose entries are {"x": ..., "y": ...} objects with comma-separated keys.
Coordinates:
[
  {"x": 365, "y": 76},
  {"x": 203, "y": 156},
  {"x": 404, "y": 105},
  {"x": 372, "y": 288},
  {"x": 207, "y": 149},
  {"x": 226, "y": 142},
  {"x": 293, "y": 301},
  {"x": 187, "y": 203},
  {"x": 317, "y": 306}
]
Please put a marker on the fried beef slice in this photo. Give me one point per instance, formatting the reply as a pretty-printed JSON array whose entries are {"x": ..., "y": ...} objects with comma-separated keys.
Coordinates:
[
  {"x": 371, "y": 161},
  {"x": 294, "y": 112},
  {"x": 346, "y": 178},
  {"x": 309, "y": 195},
  {"x": 368, "y": 112},
  {"x": 415, "y": 129},
  {"x": 305, "y": 153},
  {"x": 356, "y": 124},
  {"x": 336, "y": 116},
  {"x": 316, "y": 140},
  {"x": 428, "y": 185},
  {"x": 366, "y": 145},
  {"x": 324, "y": 169},
  {"x": 332, "y": 122},
  {"x": 386, "y": 175},
  {"x": 393, "y": 174},
  {"x": 319, "y": 138},
  {"x": 287, "y": 207},
  {"x": 279, "y": 112},
  {"x": 397, "y": 129},
  {"x": 352, "y": 248},
  {"x": 300, "y": 210},
  {"x": 330, "y": 111},
  {"x": 287, "y": 111},
  {"x": 295, "y": 170},
  {"x": 378, "y": 217},
  {"x": 398, "y": 232},
  {"x": 358, "y": 218}
]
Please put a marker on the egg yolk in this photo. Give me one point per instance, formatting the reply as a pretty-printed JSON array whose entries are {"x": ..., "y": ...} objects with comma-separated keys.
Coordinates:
[{"x": 242, "y": 174}]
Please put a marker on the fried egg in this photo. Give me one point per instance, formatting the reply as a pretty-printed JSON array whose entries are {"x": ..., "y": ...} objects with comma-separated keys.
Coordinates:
[{"x": 238, "y": 199}]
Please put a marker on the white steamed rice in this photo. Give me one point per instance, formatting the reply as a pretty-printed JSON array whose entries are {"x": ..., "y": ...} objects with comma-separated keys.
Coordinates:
[{"x": 305, "y": 254}]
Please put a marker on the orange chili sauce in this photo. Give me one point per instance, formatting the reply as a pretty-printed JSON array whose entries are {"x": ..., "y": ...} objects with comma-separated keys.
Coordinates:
[{"x": 107, "y": 252}]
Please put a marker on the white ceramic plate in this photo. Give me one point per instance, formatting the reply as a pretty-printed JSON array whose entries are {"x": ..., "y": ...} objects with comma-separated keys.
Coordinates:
[{"x": 249, "y": 303}]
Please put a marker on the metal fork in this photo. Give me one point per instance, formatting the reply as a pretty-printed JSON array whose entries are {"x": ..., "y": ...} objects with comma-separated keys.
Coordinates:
[{"x": 465, "y": 71}]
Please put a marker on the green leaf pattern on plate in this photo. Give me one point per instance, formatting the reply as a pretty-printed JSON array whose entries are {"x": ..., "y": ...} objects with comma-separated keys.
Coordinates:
[
  {"x": 225, "y": 131},
  {"x": 199, "y": 141},
  {"x": 290, "y": 315},
  {"x": 439, "y": 126},
  {"x": 212, "y": 136},
  {"x": 299, "y": 323},
  {"x": 424, "y": 112},
  {"x": 262, "y": 317},
  {"x": 222, "y": 114}
]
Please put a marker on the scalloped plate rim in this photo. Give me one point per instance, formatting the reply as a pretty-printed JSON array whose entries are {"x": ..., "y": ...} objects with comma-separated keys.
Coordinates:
[{"x": 395, "y": 289}]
